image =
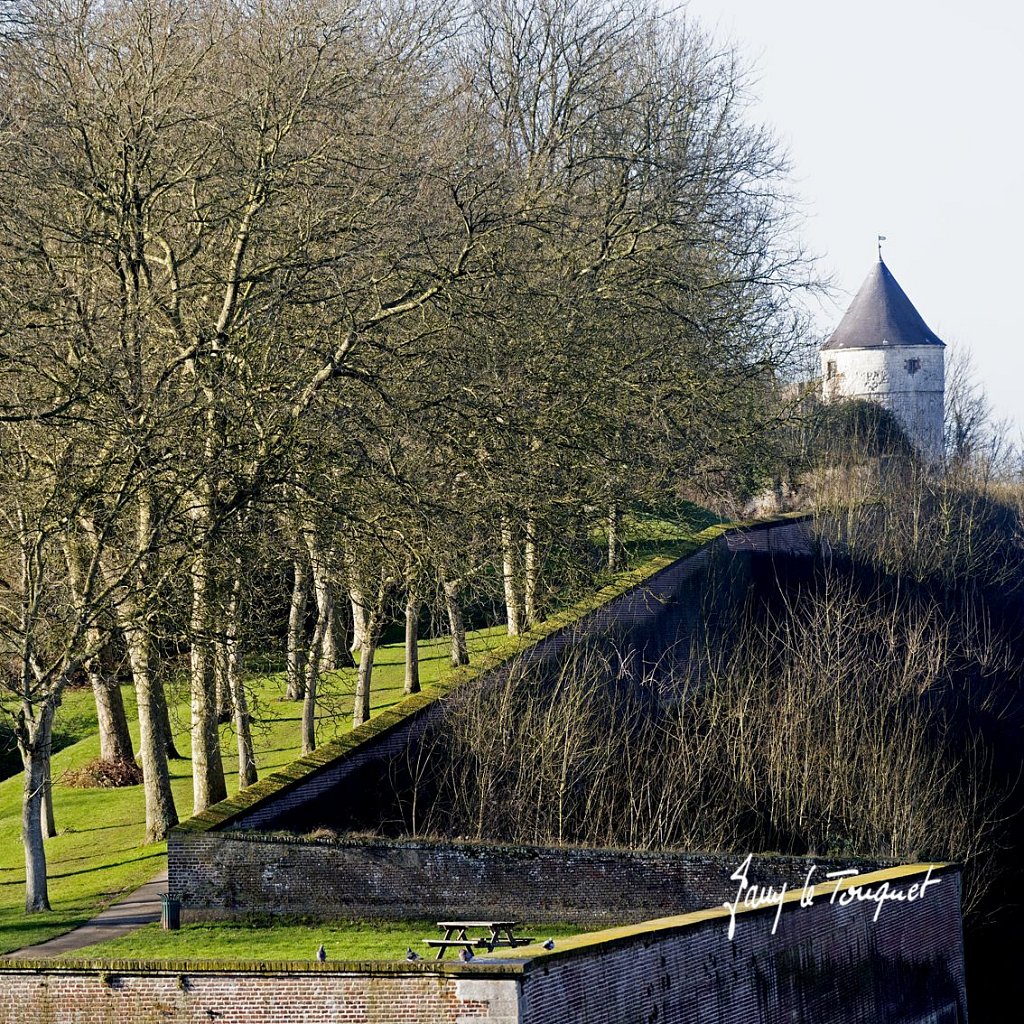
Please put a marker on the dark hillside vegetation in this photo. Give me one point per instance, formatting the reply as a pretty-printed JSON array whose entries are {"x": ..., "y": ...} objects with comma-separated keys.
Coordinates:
[
  {"x": 833, "y": 716},
  {"x": 867, "y": 701}
]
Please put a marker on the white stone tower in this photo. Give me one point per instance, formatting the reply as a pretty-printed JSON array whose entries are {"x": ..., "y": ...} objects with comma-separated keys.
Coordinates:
[{"x": 883, "y": 351}]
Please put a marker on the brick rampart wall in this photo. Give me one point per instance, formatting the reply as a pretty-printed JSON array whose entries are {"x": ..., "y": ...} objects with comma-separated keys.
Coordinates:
[
  {"x": 224, "y": 872},
  {"x": 49, "y": 996}
]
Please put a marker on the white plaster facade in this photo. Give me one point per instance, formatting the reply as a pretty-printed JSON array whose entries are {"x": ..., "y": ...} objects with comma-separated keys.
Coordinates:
[{"x": 908, "y": 380}]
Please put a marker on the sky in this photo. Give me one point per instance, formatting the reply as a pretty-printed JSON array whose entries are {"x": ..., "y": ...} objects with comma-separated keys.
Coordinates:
[{"x": 904, "y": 119}]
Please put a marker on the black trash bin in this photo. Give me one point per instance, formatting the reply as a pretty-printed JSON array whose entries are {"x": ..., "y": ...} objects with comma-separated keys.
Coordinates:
[{"x": 170, "y": 912}]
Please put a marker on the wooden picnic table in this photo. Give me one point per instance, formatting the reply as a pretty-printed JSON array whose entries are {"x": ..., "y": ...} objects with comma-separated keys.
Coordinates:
[{"x": 456, "y": 933}]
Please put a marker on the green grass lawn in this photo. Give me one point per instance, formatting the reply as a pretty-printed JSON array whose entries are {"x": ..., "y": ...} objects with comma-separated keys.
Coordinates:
[
  {"x": 99, "y": 855},
  {"x": 264, "y": 938}
]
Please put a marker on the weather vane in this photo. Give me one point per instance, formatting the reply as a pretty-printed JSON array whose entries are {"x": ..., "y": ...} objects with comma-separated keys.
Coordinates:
[{"x": 881, "y": 239}]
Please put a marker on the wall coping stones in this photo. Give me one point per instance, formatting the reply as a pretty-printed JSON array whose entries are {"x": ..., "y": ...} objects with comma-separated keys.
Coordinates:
[
  {"x": 268, "y": 968},
  {"x": 531, "y": 851}
]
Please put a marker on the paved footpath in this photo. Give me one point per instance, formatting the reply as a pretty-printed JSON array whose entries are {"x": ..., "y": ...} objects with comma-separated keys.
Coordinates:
[{"x": 127, "y": 915}]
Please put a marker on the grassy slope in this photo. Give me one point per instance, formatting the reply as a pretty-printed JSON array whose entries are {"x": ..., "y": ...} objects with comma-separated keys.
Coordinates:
[{"x": 98, "y": 854}]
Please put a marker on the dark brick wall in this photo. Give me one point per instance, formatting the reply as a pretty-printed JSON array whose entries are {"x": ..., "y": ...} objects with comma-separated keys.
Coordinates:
[
  {"x": 824, "y": 965},
  {"x": 663, "y": 614},
  {"x": 237, "y": 872}
]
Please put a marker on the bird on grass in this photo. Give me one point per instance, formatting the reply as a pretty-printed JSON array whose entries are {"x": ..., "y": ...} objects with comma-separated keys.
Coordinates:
[
  {"x": 411, "y": 954},
  {"x": 321, "y": 953},
  {"x": 550, "y": 944},
  {"x": 465, "y": 955}
]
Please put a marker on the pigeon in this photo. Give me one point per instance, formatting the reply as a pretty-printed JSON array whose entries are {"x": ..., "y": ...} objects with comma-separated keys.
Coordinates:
[
  {"x": 411, "y": 954},
  {"x": 321, "y": 953},
  {"x": 465, "y": 955},
  {"x": 550, "y": 944}
]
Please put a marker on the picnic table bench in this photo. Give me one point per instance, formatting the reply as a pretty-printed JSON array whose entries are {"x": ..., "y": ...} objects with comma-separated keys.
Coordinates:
[{"x": 456, "y": 933}]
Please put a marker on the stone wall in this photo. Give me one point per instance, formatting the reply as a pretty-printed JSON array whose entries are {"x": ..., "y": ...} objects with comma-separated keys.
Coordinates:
[
  {"x": 884, "y": 375},
  {"x": 821, "y": 963},
  {"x": 227, "y": 873}
]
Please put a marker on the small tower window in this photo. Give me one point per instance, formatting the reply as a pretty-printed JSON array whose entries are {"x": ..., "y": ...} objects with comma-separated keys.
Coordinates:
[
  {"x": 912, "y": 365},
  {"x": 830, "y": 369}
]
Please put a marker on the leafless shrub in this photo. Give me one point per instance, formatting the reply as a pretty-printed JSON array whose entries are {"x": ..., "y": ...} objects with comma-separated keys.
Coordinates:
[
  {"x": 100, "y": 774},
  {"x": 827, "y": 728}
]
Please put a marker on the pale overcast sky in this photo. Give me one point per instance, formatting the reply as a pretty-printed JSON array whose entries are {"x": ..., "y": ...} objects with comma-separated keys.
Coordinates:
[{"x": 904, "y": 118}]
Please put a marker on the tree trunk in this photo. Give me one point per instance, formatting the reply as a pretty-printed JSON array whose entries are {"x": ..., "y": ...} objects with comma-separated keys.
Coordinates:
[
  {"x": 361, "y": 708},
  {"x": 35, "y": 746},
  {"x": 155, "y": 738},
  {"x": 166, "y": 729},
  {"x": 358, "y": 618},
  {"x": 324, "y": 594},
  {"x": 309, "y": 699},
  {"x": 115, "y": 739},
  {"x": 236, "y": 684},
  {"x": 208, "y": 785},
  {"x": 456, "y": 624},
  {"x": 332, "y": 658},
  {"x": 221, "y": 683},
  {"x": 530, "y": 574},
  {"x": 297, "y": 634},
  {"x": 47, "y": 822},
  {"x": 412, "y": 648},
  {"x": 508, "y": 573},
  {"x": 613, "y": 538},
  {"x": 161, "y": 815}
]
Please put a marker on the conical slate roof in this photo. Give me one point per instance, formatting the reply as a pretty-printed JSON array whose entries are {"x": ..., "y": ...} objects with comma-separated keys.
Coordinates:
[{"x": 881, "y": 316}]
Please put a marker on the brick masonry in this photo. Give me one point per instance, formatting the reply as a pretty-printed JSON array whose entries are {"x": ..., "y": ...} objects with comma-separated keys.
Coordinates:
[
  {"x": 825, "y": 964},
  {"x": 239, "y": 997},
  {"x": 225, "y": 872}
]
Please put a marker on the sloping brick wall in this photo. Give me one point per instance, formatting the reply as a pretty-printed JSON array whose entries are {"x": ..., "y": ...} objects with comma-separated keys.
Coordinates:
[
  {"x": 825, "y": 964},
  {"x": 664, "y": 611}
]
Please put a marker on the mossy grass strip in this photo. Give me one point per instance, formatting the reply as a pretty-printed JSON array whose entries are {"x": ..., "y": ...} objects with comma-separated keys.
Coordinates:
[{"x": 256, "y": 967}]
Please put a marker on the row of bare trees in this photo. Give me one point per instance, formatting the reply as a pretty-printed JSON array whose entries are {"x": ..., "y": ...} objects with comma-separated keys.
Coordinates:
[{"x": 401, "y": 297}]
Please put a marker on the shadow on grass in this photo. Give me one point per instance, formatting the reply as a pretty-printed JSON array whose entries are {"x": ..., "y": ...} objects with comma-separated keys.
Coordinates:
[
  {"x": 100, "y": 828},
  {"x": 113, "y": 864},
  {"x": 39, "y": 920}
]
